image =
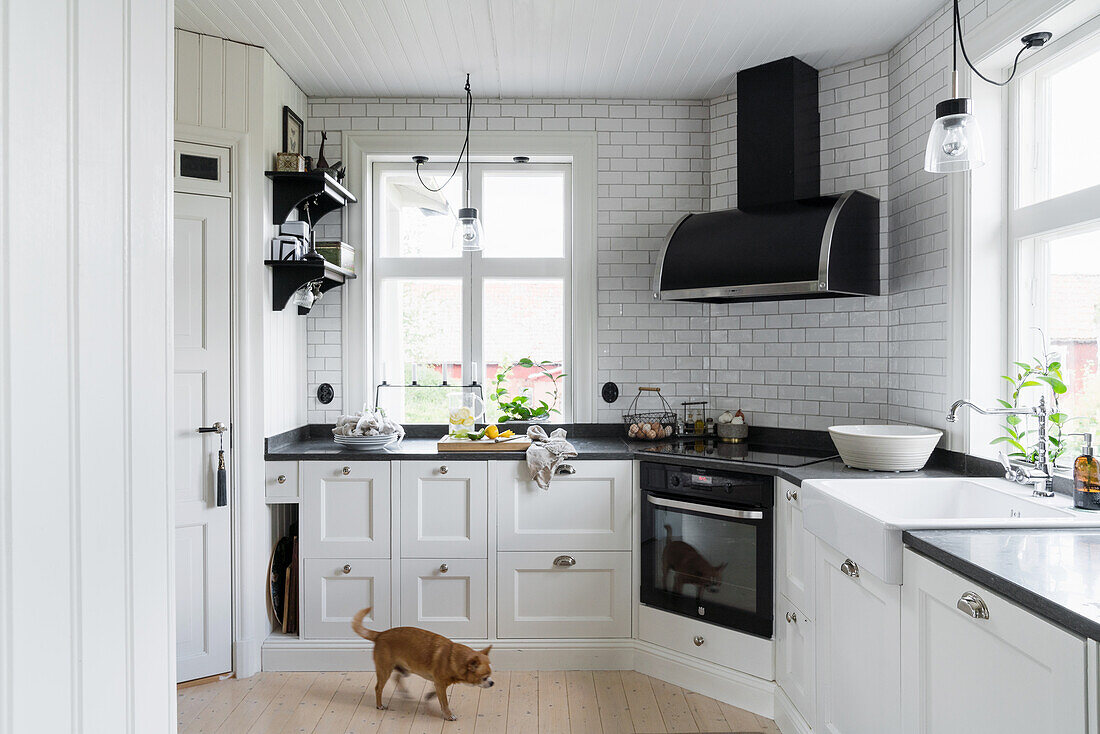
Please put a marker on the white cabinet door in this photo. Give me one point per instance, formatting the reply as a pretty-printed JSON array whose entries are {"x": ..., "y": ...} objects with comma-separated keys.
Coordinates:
[
  {"x": 345, "y": 509},
  {"x": 794, "y": 548},
  {"x": 586, "y": 510},
  {"x": 333, "y": 590},
  {"x": 858, "y": 647},
  {"x": 1012, "y": 672},
  {"x": 444, "y": 509},
  {"x": 574, "y": 594},
  {"x": 794, "y": 657},
  {"x": 281, "y": 484},
  {"x": 449, "y": 597}
]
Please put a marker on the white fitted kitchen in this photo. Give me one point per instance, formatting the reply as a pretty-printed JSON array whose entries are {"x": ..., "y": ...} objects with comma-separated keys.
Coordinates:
[{"x": 675, "y": 366}]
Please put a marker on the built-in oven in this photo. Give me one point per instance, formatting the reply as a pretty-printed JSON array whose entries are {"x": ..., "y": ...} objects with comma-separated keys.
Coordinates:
[{"x": 706, "y": 543}]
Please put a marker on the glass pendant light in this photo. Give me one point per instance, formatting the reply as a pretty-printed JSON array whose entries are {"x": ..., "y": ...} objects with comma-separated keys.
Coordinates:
[
  {"x": 467, "y": 235},
  {"x": 955, "y": 141}
]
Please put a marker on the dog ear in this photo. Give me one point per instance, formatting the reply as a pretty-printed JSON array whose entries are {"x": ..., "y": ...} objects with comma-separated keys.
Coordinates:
[{"x": 486, "y": 650}]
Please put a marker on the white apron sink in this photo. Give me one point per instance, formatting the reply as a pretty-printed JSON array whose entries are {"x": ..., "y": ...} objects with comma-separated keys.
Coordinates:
[{"x": 864, "y": 518}]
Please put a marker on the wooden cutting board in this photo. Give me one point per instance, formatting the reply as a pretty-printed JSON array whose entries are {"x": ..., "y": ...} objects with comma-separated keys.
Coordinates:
[{"x": 486, "y": 444}]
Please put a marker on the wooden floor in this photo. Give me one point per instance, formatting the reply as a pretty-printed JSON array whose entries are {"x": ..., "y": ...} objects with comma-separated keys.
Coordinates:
[{"x": 576, "y": 702}]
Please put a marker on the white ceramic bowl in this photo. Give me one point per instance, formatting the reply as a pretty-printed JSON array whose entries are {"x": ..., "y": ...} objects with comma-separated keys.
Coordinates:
[{"x": 885, "y": 448}]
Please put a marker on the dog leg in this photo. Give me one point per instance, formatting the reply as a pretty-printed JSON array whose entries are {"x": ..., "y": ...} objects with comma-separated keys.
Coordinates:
[
  {"x": 441, "y": 691},
  {"x": 380, "y": 685}
]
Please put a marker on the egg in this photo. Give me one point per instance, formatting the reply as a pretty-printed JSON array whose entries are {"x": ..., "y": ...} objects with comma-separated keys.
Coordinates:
[
  {"x": 651, "y": 434},
  {"x": 633, "y": 430}
]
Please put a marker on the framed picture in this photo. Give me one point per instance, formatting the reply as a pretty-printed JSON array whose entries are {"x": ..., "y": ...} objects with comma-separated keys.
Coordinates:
[{"x": 293, "y": 131}]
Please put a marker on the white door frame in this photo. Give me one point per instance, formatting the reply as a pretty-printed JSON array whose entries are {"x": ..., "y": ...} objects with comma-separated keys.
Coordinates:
[{"x": 247, "y": 468}]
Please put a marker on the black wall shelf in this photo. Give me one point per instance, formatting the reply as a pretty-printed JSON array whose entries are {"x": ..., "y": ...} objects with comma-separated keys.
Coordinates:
[
  {"x": 292, "y": 190},
  {"x": 288, "y": 276}
]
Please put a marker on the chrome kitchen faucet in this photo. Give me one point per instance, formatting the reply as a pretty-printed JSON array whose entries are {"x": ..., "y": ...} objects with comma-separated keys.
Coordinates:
[{"x": 1041, "y": 477}]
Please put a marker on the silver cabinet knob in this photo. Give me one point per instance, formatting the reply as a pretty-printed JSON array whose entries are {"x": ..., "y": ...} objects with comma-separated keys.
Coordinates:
[
  {"x": 566, "y": 469},
  {"x": 850, "y": 568},
  {"x": 443, "y": 469},
  {"x": 565, "y": 561},
  {"x": 792, "y": 495},
  {"x": 444, "y": 568},
  {"x": 346, "y": 470},
  {"x": 281, "y": 479},
  {"x": 973, "y": 605},
  {"x": 698, "y": 640},
  {"x": 792, "y": 617},
  {"x": 347, "y": 568}
]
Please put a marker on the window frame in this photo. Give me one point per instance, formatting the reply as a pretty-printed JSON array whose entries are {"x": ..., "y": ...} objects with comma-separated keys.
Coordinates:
[
  {"x": 474, "y": 268},
  {"x": 578, "y": 147}
]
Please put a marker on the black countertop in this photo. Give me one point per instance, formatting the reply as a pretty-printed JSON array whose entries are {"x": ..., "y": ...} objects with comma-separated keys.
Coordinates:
[{"x": 1053, "y": 573}]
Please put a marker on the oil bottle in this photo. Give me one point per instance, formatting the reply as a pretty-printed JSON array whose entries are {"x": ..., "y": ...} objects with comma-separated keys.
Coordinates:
[{"x": 1086, "y": 478}]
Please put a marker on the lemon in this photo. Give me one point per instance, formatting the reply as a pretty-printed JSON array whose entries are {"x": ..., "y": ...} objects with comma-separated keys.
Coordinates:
[{"x": 492, "y": 431}]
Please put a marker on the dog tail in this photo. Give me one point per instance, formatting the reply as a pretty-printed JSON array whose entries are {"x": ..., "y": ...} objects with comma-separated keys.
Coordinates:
[{"x": 357, "y": 625}]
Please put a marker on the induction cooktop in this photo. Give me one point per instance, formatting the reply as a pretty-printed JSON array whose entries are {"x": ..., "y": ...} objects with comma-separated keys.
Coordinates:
[{"x": 742, "y": 453}]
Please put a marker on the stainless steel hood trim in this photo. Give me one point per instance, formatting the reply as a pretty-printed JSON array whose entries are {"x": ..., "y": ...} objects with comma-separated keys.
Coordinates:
[
  {"x": 661, "y": 256},
  {"x": 827, "y": 241}
]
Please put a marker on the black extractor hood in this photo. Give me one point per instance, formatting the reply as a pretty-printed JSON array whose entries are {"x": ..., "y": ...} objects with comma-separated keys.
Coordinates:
[{"x": 784, "y": 241}]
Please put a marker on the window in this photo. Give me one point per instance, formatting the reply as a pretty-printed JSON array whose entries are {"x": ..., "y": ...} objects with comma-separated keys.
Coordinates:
[
  {"x": 1054, "y": 208},
  {"x": 446, "y": 315}
]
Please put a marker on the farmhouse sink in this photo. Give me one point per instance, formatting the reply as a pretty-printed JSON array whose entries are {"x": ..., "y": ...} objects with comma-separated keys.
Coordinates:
[{"x": 864, "y": 518}]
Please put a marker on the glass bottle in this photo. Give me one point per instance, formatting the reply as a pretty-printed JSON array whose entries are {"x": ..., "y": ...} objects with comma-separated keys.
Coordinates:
[{"x": 1086, "y": 478}]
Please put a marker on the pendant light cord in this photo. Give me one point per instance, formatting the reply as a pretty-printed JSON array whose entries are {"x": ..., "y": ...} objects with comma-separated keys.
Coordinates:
[
  {"x": 957, "y": 44},
  {"x": 465, "y": 150}
]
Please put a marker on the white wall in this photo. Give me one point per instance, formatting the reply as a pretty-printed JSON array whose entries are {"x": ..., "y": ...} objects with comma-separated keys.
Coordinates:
[{"x": 86, "y": 640}]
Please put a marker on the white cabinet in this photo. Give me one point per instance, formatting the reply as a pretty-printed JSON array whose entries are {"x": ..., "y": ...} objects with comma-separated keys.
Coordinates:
[
  {"x": 795, "y": 548},
  {"x": 449, "y": 597},
  {"x": 563, "y": 594},
  {"x": 697, "y": 639},
  {"x": 345, "y": 509},
  {"x": 586, "y": 510},
  {"x": 1004, "y": 670},
  {"x": 794, "y": 657},
  {"x": 858, "y": 647},
  {"x": 281, "y": 482},
  {"x": 444, "y": 509},
  {"x": 333, "y": 590}
]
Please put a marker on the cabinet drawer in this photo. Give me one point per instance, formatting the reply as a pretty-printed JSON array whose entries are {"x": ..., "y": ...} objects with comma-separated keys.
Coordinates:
[
  {"x": 794, "y": 656},
  {"x": 281, "y": 484},
  {"x": 449, "y": 597},
  {"x": 795, "y": 548},
  {"x": 732, "y": 649},
  {"x": 586, "y": 510},
  {"x": 543, "y": 595},
  {"x": 331, "y": 595},
  {"x": 1004, "y": 670},
  {"x": 345, "y": 509},
  {"x": 444, "y": 509}
]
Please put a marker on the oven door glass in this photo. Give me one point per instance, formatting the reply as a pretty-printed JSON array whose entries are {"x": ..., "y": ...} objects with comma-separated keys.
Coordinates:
[{"x": 708, "y": 562}]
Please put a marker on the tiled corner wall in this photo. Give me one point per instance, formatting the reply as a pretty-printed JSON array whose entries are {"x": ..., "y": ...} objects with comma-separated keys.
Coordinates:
[
  {"x": 809, "y": 364},
  {"x": 802, "y": 364}
]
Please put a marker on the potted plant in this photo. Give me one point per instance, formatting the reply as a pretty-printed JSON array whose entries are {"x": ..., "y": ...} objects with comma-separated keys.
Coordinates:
[
  {"x": 1042, "y": 372},
  {"x": 523, "y": 407}
]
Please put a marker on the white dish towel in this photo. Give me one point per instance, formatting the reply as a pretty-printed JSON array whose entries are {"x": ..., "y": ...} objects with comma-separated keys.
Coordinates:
[{"x": 546, "y": 453}]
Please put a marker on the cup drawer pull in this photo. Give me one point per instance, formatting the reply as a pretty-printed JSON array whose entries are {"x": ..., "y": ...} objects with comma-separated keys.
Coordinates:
[{"x": 565, "y": 561}]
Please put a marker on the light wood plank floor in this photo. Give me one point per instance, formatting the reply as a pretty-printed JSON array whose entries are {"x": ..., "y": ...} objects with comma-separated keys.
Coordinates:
[{"x": 571, "y": 702}]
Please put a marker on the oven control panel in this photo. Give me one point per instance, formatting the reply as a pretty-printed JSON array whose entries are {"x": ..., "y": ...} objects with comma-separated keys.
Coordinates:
[{"x": 702, "y": 483}]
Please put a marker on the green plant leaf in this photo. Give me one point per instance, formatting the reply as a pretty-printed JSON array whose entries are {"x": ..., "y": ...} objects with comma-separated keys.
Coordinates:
[
  {"x": 525, "y": 362},
  {"x": 1057, "y": 385},
  {"x": 1030, "y": 383},
  {"x": 1058, "y": 418},
  {"x": 1013, "y": 420},
  {"x": 1024, "y": 365},
  {"x": 1004, "y": 403}
]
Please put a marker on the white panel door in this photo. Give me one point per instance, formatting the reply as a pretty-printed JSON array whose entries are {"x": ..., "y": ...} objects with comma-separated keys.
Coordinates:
[
  {"x": 345, "y": 509},
  {"x": 858, "y": 648},
  {"x": 568, "y": 594},
  {"x": 1009, "y": 673},
  {"x": 204, "y": 612},
  {"x": 795, "y": 548},
  {"x": 333, "y": 590},
  {"x": 586, "y": 510},
  {"x": 449, "y": 597},
  {"x": 794, "y": 656},
  {"x": 444, "y": 509}
]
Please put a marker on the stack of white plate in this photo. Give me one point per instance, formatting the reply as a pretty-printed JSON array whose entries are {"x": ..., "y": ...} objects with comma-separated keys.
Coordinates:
[
  {"x": 885, "y": 448},
  {"x": 366, "y": 443}
]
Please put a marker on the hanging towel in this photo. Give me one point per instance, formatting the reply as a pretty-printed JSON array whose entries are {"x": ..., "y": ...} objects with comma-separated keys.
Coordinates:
[{"x": 546, "y": 453}]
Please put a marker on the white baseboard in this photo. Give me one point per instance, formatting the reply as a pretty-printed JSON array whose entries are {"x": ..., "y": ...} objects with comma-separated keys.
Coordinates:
[
  {"x": 787, "y": 717},
  {"x": 247, "y": 657},
  {"x": 287, "y": 653}
]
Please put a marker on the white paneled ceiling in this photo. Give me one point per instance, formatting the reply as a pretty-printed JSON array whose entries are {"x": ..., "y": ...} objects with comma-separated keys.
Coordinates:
[{"x": 660, "y": 49}]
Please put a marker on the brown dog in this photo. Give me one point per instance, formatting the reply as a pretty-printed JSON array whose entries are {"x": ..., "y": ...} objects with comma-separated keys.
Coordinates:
[
  {"x": 688, "y": 567},
  {"x": 431, "y": 656}
]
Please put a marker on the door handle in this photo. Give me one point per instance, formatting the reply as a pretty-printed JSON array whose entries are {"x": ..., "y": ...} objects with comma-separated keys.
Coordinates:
[
  {"x": 973, "y": 605},
  {"x": 218, "y": 427}
]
